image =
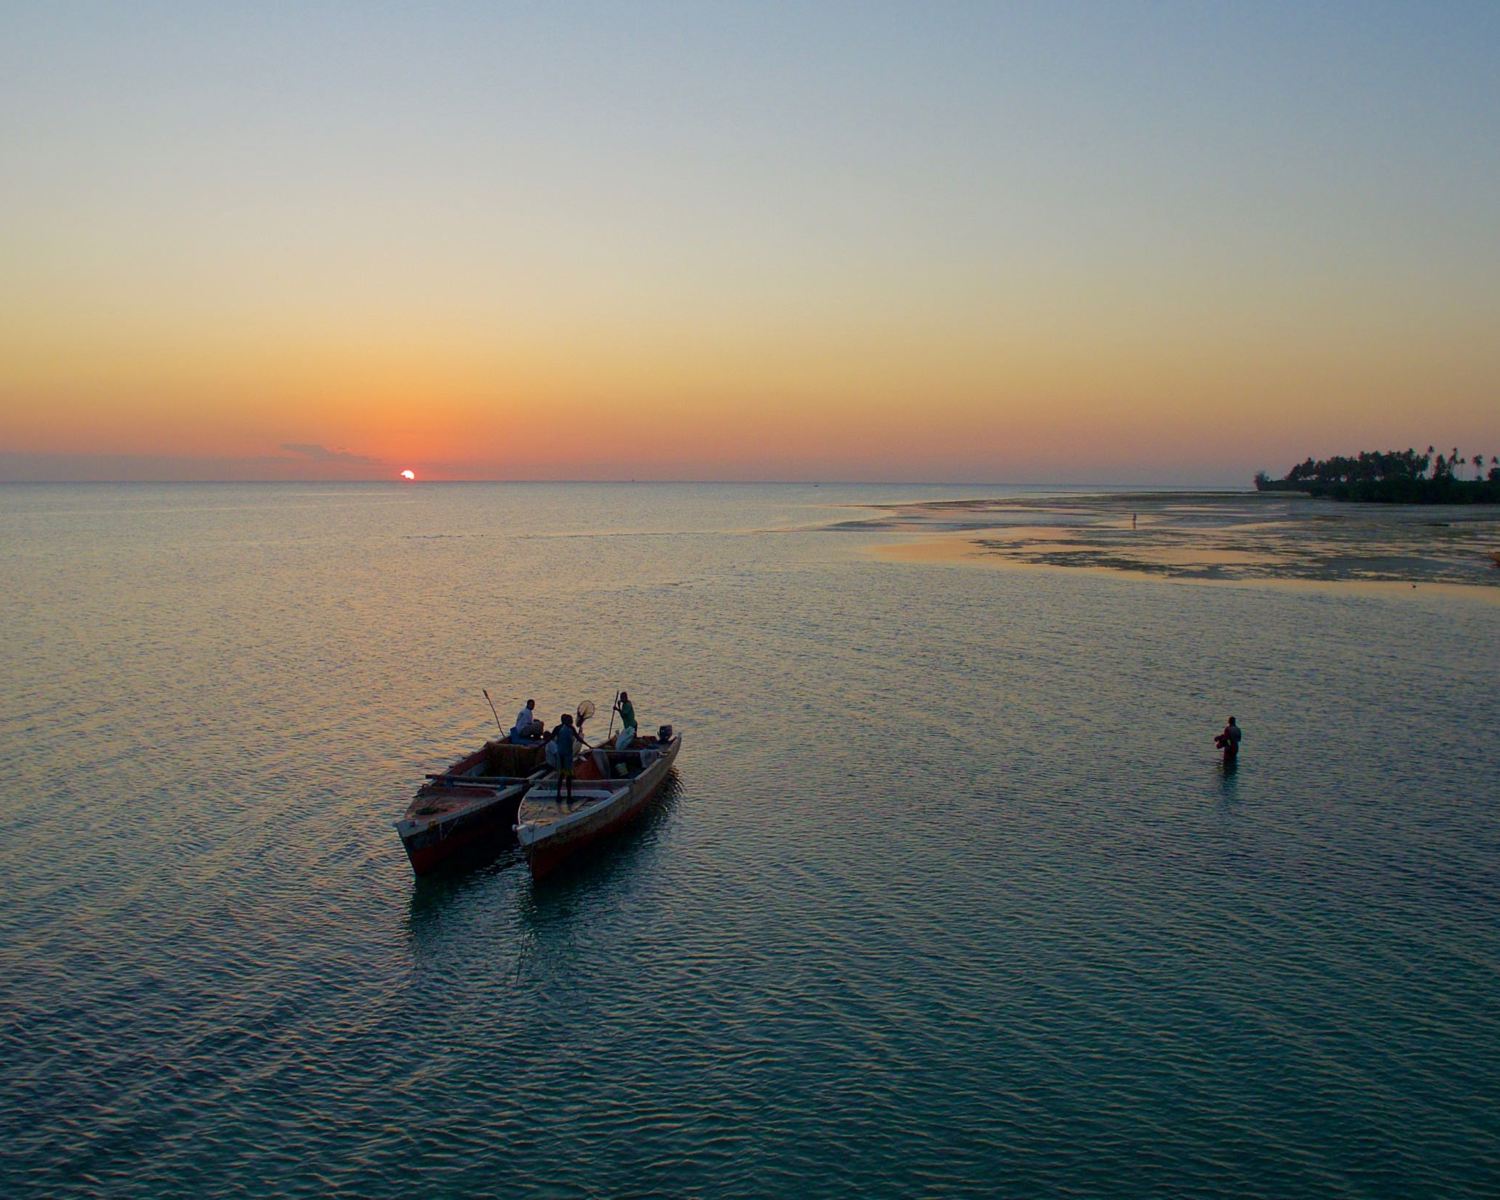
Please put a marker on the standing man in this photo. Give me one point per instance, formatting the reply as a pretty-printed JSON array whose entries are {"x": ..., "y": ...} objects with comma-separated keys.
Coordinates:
[
  {"x": 627, "y": 717},
  {"x": 1229, "y": 742},
  {"x": 565, "y": 738}
]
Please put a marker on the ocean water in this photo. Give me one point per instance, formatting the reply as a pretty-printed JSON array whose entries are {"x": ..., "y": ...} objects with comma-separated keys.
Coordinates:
[{"x": 949, "y": 895}]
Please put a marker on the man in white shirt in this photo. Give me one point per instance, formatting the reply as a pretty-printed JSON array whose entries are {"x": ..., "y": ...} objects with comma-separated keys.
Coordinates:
[{"x": 526, "y": 726}]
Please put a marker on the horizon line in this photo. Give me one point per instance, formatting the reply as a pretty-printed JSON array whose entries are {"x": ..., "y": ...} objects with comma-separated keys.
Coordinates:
[{"x": 405, "y": 483}]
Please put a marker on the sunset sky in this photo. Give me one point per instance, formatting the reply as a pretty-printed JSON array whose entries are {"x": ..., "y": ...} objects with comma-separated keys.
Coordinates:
[{"x": 973, "y": 242}]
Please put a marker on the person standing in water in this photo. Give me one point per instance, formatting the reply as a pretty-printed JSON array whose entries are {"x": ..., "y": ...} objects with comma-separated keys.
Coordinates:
[{"x": 1229, "y": 742}]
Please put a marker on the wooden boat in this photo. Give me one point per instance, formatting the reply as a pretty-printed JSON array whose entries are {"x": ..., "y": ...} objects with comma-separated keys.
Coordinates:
[
  {"x": 473, "y": 799},
  {"x": 610, "y": 788}
]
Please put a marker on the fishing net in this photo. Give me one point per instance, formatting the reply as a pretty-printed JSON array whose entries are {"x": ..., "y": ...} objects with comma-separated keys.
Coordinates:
[{"x": 585, "y": 710}]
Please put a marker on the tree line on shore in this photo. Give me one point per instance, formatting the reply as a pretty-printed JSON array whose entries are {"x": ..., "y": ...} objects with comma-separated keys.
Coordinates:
[{"x": 1392, "y": 477}]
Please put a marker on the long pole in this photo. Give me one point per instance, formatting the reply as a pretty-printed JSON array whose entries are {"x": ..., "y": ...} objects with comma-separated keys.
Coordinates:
[
  {"x": 498, "y": 726},
  {"x": 612, "y": 710}
]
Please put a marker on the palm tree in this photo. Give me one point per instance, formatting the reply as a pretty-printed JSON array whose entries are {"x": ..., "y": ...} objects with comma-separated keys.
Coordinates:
[{"x": 1478, "y": 461}]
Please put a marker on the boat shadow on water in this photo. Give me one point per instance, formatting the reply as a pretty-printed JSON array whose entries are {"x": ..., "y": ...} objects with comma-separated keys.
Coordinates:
[
  {"x": 472, "y": 873},
  {"x": 492, "y": 853}
]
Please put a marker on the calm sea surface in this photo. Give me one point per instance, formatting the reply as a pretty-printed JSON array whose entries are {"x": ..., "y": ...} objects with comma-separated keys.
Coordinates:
[{"x": 950, "y": 896}]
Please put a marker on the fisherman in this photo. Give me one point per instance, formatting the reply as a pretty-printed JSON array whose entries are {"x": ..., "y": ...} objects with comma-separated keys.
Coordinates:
[
  {"x": 627, "y": 716},
  {"x": 1229, "y": 742},
  {"x": 563, "y": 738},
  {"x": 527, "y": 727}
]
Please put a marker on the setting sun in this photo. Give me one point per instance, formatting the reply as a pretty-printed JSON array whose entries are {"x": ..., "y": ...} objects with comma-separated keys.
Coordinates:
[{"x": 409, "y": 475}]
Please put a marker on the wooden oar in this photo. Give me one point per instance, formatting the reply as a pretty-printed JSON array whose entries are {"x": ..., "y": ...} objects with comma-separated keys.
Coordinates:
[{"x": 498, "y": 726}]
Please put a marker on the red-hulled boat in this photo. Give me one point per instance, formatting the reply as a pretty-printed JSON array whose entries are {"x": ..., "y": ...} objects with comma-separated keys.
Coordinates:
[
  {"x": 474, "y": 799},
  {"x": 610, "y": 788}
]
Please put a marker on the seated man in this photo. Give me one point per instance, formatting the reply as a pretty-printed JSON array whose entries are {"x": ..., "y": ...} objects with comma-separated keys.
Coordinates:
[{"x": 527, "y": 727}]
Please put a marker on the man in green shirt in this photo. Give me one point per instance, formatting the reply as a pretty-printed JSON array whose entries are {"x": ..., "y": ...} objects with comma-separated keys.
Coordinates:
[{"x": 627, "y": 713}]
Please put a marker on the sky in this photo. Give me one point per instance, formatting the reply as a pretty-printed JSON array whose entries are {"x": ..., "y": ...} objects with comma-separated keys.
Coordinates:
[{"x": 1033, "y": 242}]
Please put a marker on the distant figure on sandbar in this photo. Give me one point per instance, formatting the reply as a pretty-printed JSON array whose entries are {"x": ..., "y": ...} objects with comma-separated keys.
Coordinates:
[
  {"x": 527, "y": 727},
  {"x": 1229, "y": 742},
  {"x": 1132, "y": 520}
]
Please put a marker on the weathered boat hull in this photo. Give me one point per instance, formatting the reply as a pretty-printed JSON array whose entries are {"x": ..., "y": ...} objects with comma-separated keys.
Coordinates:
[
  {"x": 544, "y": 854},
  {"x": 453, "y": 814},
  {"x": 433, "y": 847}
]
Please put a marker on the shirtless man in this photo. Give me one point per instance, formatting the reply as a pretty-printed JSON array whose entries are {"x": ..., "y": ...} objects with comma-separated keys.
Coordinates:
[{"x": 1229, "y": 742}]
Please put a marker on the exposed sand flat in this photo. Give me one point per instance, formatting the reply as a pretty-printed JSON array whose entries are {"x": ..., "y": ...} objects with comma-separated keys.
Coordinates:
[{"x": 1209, "y": 537}]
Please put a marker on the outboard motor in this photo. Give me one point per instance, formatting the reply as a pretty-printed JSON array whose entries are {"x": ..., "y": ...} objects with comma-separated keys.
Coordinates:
[{"x": 664, "y": 734}]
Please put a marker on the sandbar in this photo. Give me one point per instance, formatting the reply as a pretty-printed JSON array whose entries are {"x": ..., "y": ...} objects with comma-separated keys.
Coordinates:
[{"x": 1207, "y": 537}]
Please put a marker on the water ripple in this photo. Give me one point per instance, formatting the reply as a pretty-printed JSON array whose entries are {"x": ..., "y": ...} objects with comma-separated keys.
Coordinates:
[{"x": 948, "y": 895}]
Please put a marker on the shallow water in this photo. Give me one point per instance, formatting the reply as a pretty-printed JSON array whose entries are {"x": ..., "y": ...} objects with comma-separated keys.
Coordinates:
[{"x": 949, "y": 896}]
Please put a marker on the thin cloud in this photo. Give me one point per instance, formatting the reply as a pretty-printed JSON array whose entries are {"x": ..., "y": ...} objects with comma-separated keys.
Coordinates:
[
  {"x": 316, "y": 453},
  {"x": 166, "y": 468}
]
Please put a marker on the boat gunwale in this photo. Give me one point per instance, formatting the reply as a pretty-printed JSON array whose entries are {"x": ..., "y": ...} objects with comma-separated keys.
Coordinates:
[
  {"x": 449, "y": 785},
  {"x": 416, "y": 822}
]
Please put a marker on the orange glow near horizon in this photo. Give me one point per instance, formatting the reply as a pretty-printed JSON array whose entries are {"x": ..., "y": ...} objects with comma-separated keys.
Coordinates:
[
  {"x": 945, "y": 400},
  {"x": 1057, "y": 272}
]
